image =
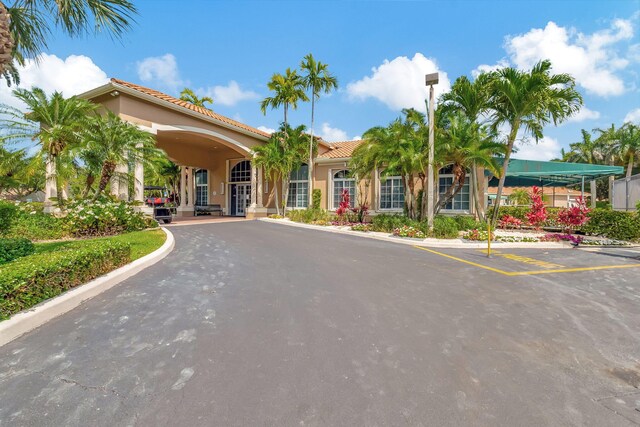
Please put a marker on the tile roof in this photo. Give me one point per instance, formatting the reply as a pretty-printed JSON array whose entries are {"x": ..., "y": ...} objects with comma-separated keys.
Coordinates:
[
  {"x": 342, "y": 149},
  {"x": 189, "y": 106}
]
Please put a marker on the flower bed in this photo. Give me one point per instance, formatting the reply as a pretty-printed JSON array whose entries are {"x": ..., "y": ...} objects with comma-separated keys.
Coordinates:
[{"x": 408, "y": 231}]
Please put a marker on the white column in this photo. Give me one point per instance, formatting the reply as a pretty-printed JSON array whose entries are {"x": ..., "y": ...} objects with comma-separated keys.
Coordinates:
[
  {"x": 259, "y": 189},
  {"x": 138, "y": 183},
  {"x": 50, "y": 185},
  {"x": 254, "y": 186},
  {"x": 190, "y": 189},
  {"x": 183, "y": 186}
]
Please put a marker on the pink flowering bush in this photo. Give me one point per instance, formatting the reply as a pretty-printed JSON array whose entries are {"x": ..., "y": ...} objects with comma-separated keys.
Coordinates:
[
  {"x": 509, "y": 222},
  {"x": 575, "y": 216},
  {"x": 538, "y": 213}
]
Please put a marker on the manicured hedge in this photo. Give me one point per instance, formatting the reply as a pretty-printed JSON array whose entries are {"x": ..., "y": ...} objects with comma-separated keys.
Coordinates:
[
  {"x": 7, "y": 214},
  {"x": 35, "y": 278},
  {"x": 617, "y": 225},
  {"x": 11, "y": 249}
]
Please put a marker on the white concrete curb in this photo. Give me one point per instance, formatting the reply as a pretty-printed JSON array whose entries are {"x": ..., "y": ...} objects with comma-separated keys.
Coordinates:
[
  {"x": 28, "y": 320},
  {"x": 427, "y": 243}
]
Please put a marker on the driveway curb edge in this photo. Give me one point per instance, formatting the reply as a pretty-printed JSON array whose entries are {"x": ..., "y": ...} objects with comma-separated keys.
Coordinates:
[{"x": 28, "y": 320}]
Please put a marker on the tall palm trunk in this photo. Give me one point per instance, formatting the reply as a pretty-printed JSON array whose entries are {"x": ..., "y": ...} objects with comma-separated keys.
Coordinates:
[
  {"x": 310, "y": 166},
  {"x": 476, "y": 182},
  {"x": 6, "y": 39},
  {"x": 630, "y": 164},
  {"x": 88, "y": 184},
  {"x": 108, "y": 168},
  {"x": 275, "y": 187},
  {"x": 503, "y": 176}
]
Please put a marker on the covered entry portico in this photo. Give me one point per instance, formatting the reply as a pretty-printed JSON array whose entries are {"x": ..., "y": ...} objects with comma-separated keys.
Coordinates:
[{"x": 214, "y": 152}]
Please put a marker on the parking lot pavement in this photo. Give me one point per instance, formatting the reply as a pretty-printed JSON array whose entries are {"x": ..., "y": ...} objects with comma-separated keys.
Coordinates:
[
  {"x": 517, "y": 262},
  {"x": 252, "y": 323}
]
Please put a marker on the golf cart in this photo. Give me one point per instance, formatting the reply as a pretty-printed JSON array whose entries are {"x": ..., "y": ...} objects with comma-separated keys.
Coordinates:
[{"x": 155, "y": 197}]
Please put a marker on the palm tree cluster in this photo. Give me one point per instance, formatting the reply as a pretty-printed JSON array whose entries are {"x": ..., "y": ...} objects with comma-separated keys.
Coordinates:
[
  {"x": 284, "y": 152},
  {"x": 82, "y": 147},
  {"x": 26, "y": 25},
  {"x": 469, "y": 123},
  {"x": 291, "y": 88},
  {"x": 608, "y": 146}
]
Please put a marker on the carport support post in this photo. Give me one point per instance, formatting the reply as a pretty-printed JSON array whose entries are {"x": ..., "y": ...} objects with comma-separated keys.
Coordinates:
[{"x": 592, "y": 188}]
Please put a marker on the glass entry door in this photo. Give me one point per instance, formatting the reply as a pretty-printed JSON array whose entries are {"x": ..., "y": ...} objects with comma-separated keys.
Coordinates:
[{"x": 240, "y": 199}]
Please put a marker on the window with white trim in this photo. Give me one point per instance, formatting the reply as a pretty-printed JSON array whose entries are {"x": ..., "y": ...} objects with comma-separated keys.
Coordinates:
[
  {"x": 461, "y": 201},
  {"x": 391, "y": 193},
  {"x": 342, "y": 180},
  {"x": 299, "y": 188},
  {"x": 241, "y": 172},
  {"x": 202, "y": 187}
]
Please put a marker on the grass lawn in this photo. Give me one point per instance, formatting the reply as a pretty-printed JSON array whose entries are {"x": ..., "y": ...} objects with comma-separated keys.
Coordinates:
[{"x": 141, "y": 242}]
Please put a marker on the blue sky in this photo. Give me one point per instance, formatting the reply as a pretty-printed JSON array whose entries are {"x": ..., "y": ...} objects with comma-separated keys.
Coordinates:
[{"x": 379, "y": 51}]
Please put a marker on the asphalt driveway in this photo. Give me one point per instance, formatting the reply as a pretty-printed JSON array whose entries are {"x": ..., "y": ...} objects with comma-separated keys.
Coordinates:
[{"x": 252, "y": 323}]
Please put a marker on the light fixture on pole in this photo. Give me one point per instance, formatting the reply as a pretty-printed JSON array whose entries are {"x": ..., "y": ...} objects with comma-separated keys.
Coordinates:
[{"x": 430, "y": 80}]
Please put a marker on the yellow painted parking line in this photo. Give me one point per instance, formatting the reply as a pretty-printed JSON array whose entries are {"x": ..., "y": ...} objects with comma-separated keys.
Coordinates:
[{"x": 528, "y": 273}]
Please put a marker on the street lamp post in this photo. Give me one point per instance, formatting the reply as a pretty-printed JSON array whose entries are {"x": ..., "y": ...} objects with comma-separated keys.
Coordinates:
[{"x": 430, "y": 80}]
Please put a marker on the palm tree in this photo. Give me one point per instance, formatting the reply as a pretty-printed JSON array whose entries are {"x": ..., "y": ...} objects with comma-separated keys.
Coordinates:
[
  {"x": 526, "y": 102},
  {"x": 25, "y": 26},
  {"x": 629, "y": 145},
  {"x": 53, "y": 122},
  {"x": 463, "y": 145},
  {"x": 288, "y": 91},
  {"x": 317, "y": 79},
  {"x": 588, "y": 150},
  {"x": 472, "y": 99},
  {"x": 190, "y": 96},
  {"x": 20, "y": 174},
  {"x": 399, "y": 148},
  {"x": 270, "y": 157},
  {"x": 114, "y": 141}
]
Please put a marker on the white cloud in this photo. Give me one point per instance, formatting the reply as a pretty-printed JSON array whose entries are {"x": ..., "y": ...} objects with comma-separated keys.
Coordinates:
[
  {"x": 160, "y": 70},
  {"x": 546, "y": 149},
  {"x": 331, "y": 134},
  {"x": 399, "y": 83},
  {"x": 486, "y": 68},
  {"x": 228, "y": 95},
  {"x": 71, "y": 76},
  {"x": 266, "y": 129},
  {"x": 591, "y": 58},
  {"x": 633, "y": 116},
  {"x": 584, "y": 114}
]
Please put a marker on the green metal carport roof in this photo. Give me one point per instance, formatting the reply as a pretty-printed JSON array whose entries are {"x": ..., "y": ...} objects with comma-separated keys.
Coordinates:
[{"x": 525, "y": 173}]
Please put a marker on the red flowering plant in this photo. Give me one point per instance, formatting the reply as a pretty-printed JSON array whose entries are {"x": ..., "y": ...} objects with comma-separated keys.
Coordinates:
[
  {"x": 344, "y": 208},
  {"x": 538, "y": 213},
  {"x": 509, "y": 222},
  {"x": 574, "y": 216}
]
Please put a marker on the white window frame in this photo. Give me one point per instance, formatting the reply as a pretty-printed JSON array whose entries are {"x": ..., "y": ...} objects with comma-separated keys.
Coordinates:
[
  {"x": 297, "y": 182},
  {"x": 332, "y": 173},
  {"x": 467, "y": 182},
  {"x": 379, "y": 192},
  {"x": 199, "y": 186}
]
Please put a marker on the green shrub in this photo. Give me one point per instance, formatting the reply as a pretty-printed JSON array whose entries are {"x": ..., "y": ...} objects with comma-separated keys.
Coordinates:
[
  {"x": 617, "y": 225},
  {"x": 11, "y": 249},
  {"x": 29, "y": 280},
  {"x": 308, "y": 216},
  {"x": 466, "y": 222},
  {"x": 103, "y": 217},
  {"x": 316, "y": 198},
  {"x": 32, "y": 223},
  {"x": 604, "y": 204},
  {"x": 8, "y": 212},
  {"x": 445, "y": 227},
  {"x": 386, "y": 223}
]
